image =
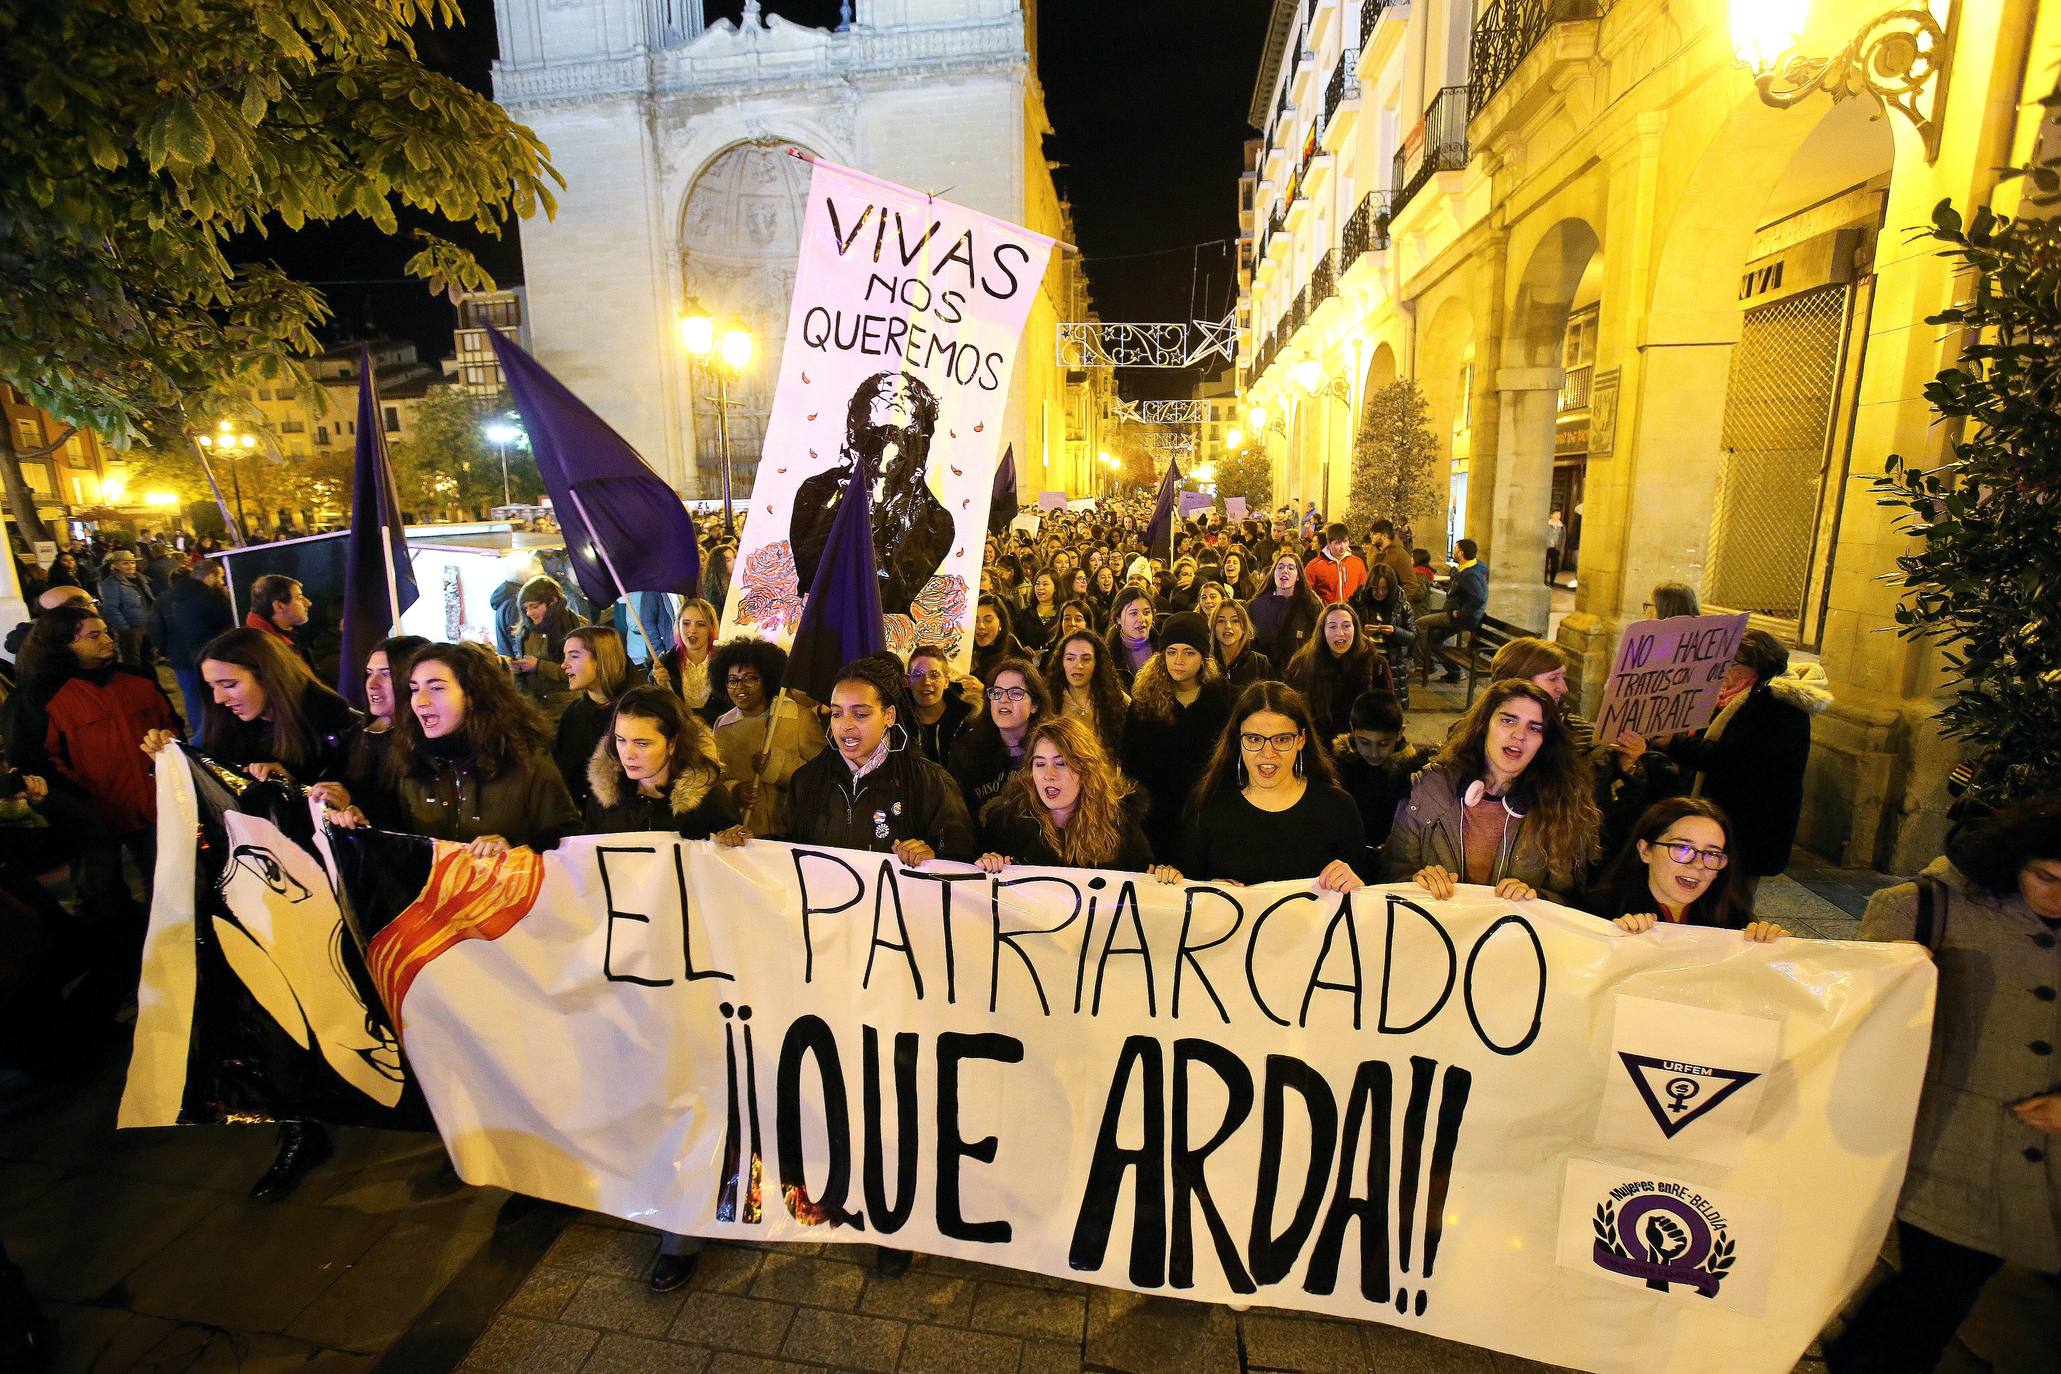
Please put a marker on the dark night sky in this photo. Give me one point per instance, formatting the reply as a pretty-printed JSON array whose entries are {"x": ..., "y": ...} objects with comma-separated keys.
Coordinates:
[{"x": 1147, "y": 100}]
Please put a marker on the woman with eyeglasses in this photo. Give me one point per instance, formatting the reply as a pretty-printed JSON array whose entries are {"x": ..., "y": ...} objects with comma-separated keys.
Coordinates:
[
  {"x": 764, "y": 736},
  {"x": 1506, "y": 803},
  {"x": 1269, "y": 808},
  {"x": 1179, "y": 704},
  {"x": 990, "y": 749},
  {"x": 1677, "y": 870}
]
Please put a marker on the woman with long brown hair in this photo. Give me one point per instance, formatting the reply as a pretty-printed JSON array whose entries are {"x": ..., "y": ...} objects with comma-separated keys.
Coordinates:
[
  {"x": 1179, "y": 704},
  {"x": 1231, "y": 631},
  {"x": 1269, "y": 807},
  {"x": 470, "y": 760},
  {"x": 1506, "y": 803},
  {"x": 1085, "y": 686},
  {"x": 1332, "y": 670},
  {"x": 1285, "y": 612},
  {"x": 1067, "y": 806},
  {"x": 1677, "y": 870},
  {"x": 267, "y": 714},
  {"x": 597, "y": 670}
]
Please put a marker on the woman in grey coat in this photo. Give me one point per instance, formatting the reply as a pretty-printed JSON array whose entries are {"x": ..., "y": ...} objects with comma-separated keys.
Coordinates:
[{"x": 1984, "y": 1186}]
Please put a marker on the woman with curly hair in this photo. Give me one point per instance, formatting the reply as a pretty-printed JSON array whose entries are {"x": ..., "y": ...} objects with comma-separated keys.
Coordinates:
[
  {"x": 1085, "y": 686},
  {"x": 1333, "y": 669},
  {"x": 1544, "y": 665},
  {"x": 1506, "y": 803},
  {"x": 764, "y": 736},
  {"x": 1067, "y": 806},
  {"x": 470, "y": 762},
  {"x": 1179, "y": 704},
  {"x": 1269, "y": 807}
]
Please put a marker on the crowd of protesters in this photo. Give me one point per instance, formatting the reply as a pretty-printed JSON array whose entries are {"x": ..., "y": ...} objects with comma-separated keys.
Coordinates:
[{"x": 1235, "y": 708}]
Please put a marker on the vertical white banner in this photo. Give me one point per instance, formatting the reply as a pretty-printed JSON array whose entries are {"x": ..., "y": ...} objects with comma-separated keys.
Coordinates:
[{"x": 907, "y": 320}]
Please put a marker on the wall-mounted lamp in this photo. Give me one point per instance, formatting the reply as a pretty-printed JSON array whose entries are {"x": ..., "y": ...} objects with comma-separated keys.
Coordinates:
[{"x": 1899, "y": 57}]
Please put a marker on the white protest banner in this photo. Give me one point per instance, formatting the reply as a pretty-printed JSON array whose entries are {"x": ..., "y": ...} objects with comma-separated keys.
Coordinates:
[
  {"x": 1373, "y": 1105},
  {"x": 1051, "y": 500},
  {"x": 1665, "y": 675},
  {"x": 903, "y": 335}
]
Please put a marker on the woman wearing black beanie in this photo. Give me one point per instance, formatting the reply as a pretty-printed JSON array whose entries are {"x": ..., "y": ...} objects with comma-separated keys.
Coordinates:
[{"x": 1179, "y": 704}]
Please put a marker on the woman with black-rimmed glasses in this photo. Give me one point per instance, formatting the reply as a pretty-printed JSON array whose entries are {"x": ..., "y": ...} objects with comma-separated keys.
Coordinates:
[{"x": 1270, "y": 808}]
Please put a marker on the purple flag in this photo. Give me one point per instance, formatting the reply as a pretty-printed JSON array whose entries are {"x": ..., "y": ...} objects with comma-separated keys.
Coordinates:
[
  {"x": 1159, "y": 533},
  {"x": 1002, "y": 503},
  {"x": 379, "y": 582},
  {"x": 841, "y": 619},
  {"x": 625, "y": 528}
]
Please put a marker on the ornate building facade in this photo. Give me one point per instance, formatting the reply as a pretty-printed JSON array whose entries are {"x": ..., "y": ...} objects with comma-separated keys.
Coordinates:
[
  {"x": 1659, "y": 284},
  {"x": 673, "y": 135}
]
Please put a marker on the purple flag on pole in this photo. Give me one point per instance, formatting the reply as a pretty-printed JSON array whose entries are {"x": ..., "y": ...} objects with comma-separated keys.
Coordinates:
[
  {"x": 379, "y": 582},
  {"x": 1159, "y": 533},
  {"x": 625, "y": 528},
  {"x": 1002, "y": 502},
  {"x": 841, "y": 619}
]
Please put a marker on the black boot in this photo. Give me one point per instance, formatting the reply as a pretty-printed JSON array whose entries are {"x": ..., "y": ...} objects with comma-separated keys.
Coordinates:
[
  {"x": 890, "y": 1264},
  {"x": 670, "y": 1272},
  {"x": 302, "y": 1146}
]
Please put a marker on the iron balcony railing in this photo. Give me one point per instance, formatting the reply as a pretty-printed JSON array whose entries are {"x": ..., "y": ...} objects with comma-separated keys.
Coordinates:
[
  {"x": 1366, "y": 231},
  {"x": 1574, "y": 388},
  {"x": 1370, "y": 15},
  {"x": 1323, "y": 281},
  {"x": 1343, "y": 86},
  {"x": 1297, "y": 313},
  {"x": 1505, "y": 35},
  {"x": 1439, "y": 145}
]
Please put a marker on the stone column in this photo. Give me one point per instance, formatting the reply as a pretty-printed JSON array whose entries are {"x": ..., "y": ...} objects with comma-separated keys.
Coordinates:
[{"x": 1527, "y": 400}]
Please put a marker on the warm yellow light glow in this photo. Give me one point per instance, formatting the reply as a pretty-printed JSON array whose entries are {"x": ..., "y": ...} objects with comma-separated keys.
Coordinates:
[
  {"x": 1256, "y": 419},
  {"x": 113, "y": 489},
  {"x": 1105, "y": 459},
  {"x": 736, "y": 349},
  {"x": 205, "y": 440},
  {"x": 1234, "y": 438},
  {"x": 1762, "y": 30},
  {"x": 160, "y": 498},
  {"x": 226, "y": 426},
  {"x": 1207, "y": 472},
  {"x": 698, "y": 333},
  {"x": 1309, "y": 375},
  {"x": 249, "y": 441}
]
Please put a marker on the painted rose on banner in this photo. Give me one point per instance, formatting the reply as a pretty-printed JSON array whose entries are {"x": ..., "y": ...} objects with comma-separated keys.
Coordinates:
[{"x": 903, "y": 336}]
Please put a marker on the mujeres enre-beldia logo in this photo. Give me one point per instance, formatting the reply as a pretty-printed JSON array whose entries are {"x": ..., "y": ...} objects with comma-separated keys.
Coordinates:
[{"x": 1664, "y": 1234}]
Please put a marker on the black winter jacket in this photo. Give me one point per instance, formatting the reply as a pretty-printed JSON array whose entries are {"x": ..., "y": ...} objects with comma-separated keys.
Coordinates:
[
  {"x": 186, "y": 617},
  {"x": 695, "y": 807},
  {"x": 907, "y": 798}
]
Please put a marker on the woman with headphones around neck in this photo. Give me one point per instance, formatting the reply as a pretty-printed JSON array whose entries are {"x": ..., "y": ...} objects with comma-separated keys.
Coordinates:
[{"x": 1507, "y": 803}]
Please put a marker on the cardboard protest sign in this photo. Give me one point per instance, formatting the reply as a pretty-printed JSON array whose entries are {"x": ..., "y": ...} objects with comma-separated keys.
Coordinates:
[
  {"x": 1051, "y": 500},
  {"x": 905, "y": 330},
  {"x": 1665, "y": 675},
  {"x": 1503, "y": 1123}
]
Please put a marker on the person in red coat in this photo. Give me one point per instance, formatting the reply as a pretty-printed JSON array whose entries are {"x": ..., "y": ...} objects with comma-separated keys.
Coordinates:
[
  {"x": 78, "y": 720},
  {"x": 1336, "y": 573}
]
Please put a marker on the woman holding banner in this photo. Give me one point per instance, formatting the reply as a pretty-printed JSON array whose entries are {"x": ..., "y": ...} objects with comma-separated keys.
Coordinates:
[
  {"x": 765, "y": 735},
  {"x": 1984, "y": 1186},
  {"x": 386, "y": 675},
  {"x": 1677, "y": 870},
  {"x": 1269, "y": 808},
  {"x": 1066, "y": 807},
  {"x": 267, "y": 715},
  {"x": 1506, "y": 803}
]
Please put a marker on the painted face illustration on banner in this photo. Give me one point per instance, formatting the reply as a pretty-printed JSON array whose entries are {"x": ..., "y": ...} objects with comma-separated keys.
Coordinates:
[{"x": 284, "y": 940}]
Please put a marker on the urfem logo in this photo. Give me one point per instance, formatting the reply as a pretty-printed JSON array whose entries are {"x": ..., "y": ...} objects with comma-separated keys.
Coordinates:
[
  {"x": 1665, "y": 1234},
  {"x": 1677, "y": 1093}
]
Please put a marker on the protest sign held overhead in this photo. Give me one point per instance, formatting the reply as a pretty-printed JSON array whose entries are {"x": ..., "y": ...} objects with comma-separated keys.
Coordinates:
[
  {"x": 904, "y": 332},
  {"x": 1455, "y": 1116},
  {"x": 1665, "y": 675}
]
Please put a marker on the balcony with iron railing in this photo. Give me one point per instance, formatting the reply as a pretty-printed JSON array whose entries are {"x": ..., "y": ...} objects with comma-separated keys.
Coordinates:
[
  {"x": 1370, "y": 16},
  {"x": 1342, "y": 91},
  {"x": 1505, "y": 35},
  {"x": 1574, "y": 389},
  {"x": 1438, "y": 145},
  {"x": 1323, "y": 281},
  {"x": 1366, "y": 230},
  {"x": 1298, "y": 314}
]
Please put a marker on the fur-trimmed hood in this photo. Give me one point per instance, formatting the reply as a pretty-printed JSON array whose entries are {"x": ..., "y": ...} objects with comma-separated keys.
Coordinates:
[
  {"x": 699, "y": 770},
  {"x": 1804, "y": 686}
]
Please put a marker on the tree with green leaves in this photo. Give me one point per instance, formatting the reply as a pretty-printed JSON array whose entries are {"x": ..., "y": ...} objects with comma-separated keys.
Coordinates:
[
  {"x": 447, "y": 462},
  {"x": 1393, "y": 457},
  {"x": 1246, "y": 471},
  {"x": 148, "y": 137},
  {"x": 1984, "y": 582}
]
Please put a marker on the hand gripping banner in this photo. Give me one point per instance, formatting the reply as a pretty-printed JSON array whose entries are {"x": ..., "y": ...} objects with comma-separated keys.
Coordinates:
[
  {"x": 904, "y": 332},
  {"x": 1507, "y": 1124}
]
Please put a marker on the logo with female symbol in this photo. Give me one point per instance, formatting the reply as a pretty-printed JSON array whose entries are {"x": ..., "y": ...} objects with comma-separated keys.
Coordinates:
[{"x": 1678, "y": 1093}]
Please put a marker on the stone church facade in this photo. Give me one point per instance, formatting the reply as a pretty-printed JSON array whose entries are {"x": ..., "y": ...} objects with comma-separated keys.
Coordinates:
[{"x": 673, "y": 136}]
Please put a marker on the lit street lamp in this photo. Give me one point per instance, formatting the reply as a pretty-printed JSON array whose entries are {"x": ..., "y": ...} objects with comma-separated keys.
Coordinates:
[
  {"x": 724, "y": 357},
  {"x": 501, "y": 434},
  {"x": 227, "y": 439}
]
